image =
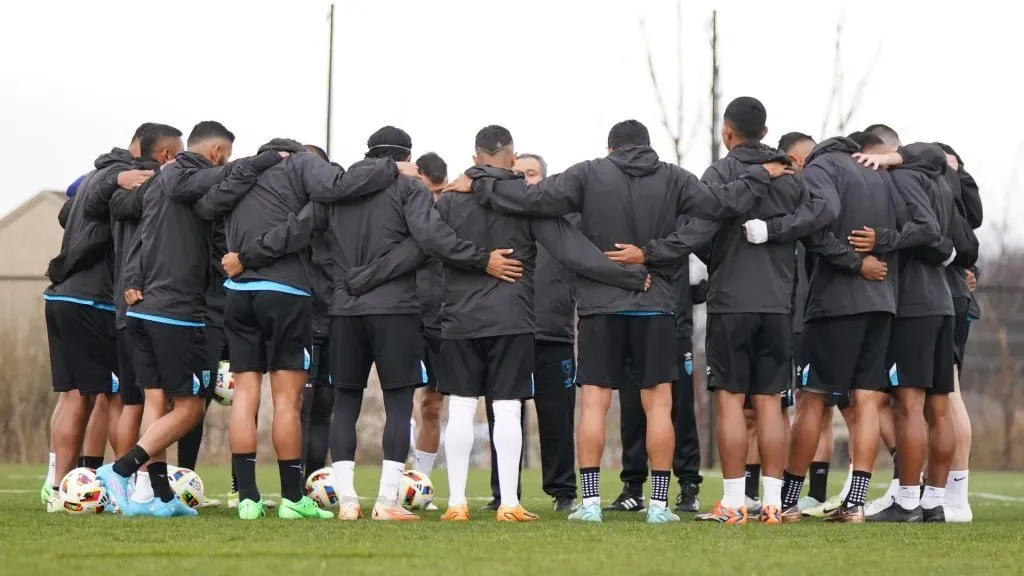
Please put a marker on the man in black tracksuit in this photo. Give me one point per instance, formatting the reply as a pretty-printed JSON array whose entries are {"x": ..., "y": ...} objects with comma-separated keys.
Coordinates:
[{"x": 626, "y": 200}]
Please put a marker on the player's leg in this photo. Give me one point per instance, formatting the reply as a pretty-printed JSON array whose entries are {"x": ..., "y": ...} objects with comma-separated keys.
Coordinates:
[
  {"x": 244, "y": 333},
  {"x": 320, "y": 410},
  {"x": 941, "y": 427},
  {"x": 94, "y": 443},
  {"x": 772, "y": 376},
  {"x": 633, "y": 432},
  {"x": 654, "y": 353},
  {"x": 398, "y": 404},
  {"x": 189, "y": 445},
  {"x": 509, "y": 377},
  {"x": 958, "y": 508},
  {"x": 51, "y": 470},
  {"x": 428, "y": 432},
  {"x": 554, "y": 398},
  {"x": 686, "y": 461},
  {"x": 817, "y": 493},
  {"x": 351, "y": 360},
  {"x": 752, "y": 469}
]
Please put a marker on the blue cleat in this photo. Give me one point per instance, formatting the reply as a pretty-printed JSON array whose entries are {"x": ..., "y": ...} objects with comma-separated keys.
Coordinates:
[
  {"x": 590, "y": 513},
  {"x": 172, "y": 509},
  {"x": 660, "y": 515},
  {"x": 139, "y": 508},
  {"x": 115, "y": 484}
]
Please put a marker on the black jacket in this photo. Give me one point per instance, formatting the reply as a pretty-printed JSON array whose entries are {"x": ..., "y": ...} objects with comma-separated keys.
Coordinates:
[
  {"x": 124, "y": 209},
  {"x": 629, "y": 197},
  {"x": 555, "y": 296},
  {"x": 968, "y": 217},
  {"x": 687, "y": 297}
]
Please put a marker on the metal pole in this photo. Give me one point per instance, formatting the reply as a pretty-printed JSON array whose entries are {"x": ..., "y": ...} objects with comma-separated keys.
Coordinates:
[{"x": 330, "y": 76}]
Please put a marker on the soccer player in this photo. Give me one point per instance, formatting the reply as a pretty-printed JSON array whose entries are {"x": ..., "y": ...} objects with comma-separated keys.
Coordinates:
[
  {"x": 171, "y": 359},
  {"x": 488, "y": 326},
  {"x": 628, "y": 199}
]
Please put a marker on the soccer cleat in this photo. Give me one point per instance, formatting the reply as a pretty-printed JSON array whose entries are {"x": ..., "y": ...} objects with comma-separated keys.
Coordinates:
[
  {"x": 493, "y": 505},
  {"x": 896, "y": 513},
  {"x": 807, "y": 502},
  {"x": 955, "y": 514},
  {"x": 174, "y": 508},
  {"x": 753, "y": 505},
  {"x": 348, "y": 508},
  {"x": 887, "y": 500},
  {"x": 586, "y": 513},
  {"x": 249, "y": 510},
  {"x": 115, "y": 484},
  {"x": 565, "y": 505},
  {"x": 687, "y": 500},
  {"x": 269, "y": 504},
  {"x": 735, "y": 516},
  {"x": 139, "y": 508},
  {"x": 54, "y": 503},
  {"x": 458, "y": 513},
  {"x": 233, "y": 500},
  {"x": 822, "y": 509},
  {"x": 45, "y": 493},
  {"x": 790, "y": 515},
  {"x": 769, "y": 515},
  {"x": 937, "y": 514},
  {"x": 515, "y": 514},
  {"x": 392, "y": 512},
  {"x": 660, "y": 515},
  {"x": 846, "y": 515},
  {"x": 209, "y": 503},
  {"x": 431, "y": 507},
  {"x": 304, "y": 508},
  {"x": 628, "y": 501}
]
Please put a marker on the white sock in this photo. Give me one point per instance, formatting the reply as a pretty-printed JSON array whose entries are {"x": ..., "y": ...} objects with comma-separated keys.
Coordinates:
[
  {"x": 909, "y": 497},
  {"x": 390, "y": 477},
  {"x": 508, "y": 445},
  {"x": 51, "y": 471},
  {"x": 458, "y": 446},
  {"x": 143, "y": 488},
  {"x": 424, "y": 461},
  {"x": 846, "y": 485},
  {"x": 772, "y": 492},
  {"x": 932, "y": 497},
  {"x": 734, "y": 495},
  {"x": 956, "y": 487},
  {"x": 894, "y": 488},
  {"x": 344, "y": 479}
]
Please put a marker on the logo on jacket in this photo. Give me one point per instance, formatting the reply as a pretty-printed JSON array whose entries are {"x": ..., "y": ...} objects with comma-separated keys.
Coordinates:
[
  {"x": 570, "y": 378},
  {"x": 115, "y": 383},
  {"x": 688, "y": 363}
]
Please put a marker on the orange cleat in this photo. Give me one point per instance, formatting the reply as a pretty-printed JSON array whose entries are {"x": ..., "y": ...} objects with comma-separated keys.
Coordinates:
[
  {"x": 735, "y": 516},
  {"x": 515, "y": 514},
  {"x": 348, "y": 509},
  {"x": 392, "y": 512},
  {"x": 459, "y": 513},
  {"x": 770, "y": 515}
]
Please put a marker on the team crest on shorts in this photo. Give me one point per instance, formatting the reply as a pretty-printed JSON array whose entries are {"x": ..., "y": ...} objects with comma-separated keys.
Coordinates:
[
  {"x": 195, "y": 385},
  {"x": 688, "y": 363},
  {"x": 115, "y": 383},
  {"x": 894, "y": 377},
  {"x": 305, "y": 359}
]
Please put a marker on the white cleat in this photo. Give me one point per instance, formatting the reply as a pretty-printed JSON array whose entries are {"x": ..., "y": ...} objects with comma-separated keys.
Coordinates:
[
  {"x": 753, "y": 506},
  {"x": 824, "y": 508},
  {"x": 957, "y": 513},
  {"x": 807, "y": 502},
  {"x": 879, "y": 504},
  {"x": 209, "y": 503},
  {"x": 431, "y": 507},
  {"x": 54, "y": 504}
]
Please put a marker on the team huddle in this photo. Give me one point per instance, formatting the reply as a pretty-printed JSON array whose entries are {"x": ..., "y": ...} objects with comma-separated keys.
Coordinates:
[{"x": 843, "y": 269}]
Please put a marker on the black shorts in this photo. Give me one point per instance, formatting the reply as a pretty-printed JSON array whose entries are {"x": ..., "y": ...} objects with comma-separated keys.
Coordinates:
[
  {"x": 961, "y": 328},
  {"x": 608, "y": 343},
  {"x": 432, "y": 356},
  {"x": 268, "y": 330},
  {"x": 498, "y": 367},
  {"x": 128, "y": 384},
  {"x": 844, "y": 353},
  {"x": 83, "y": 347},
  {"x": 319, "y": 363},
  {"x": 393, "y": 342},
  {"x": 171, "y": 358},
  {"x": 842, "y": 400},
  {"x": 921, "y": 354},
  {"x": 750, "y": 353}
]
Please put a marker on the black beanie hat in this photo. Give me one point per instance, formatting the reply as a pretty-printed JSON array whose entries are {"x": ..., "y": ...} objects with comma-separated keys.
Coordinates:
[{"x": 389, "y": 142}]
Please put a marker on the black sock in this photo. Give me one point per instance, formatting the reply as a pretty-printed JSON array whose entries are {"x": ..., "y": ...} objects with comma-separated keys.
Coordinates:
[
  {"x": 234, "y": 478},
  {"x": 859, "y": 485},
  {"x": 819, "y": 481},
  {"x": 590, "y": 478},
  {"x": 131, "y": 462},
  {"x": 93, "y": 462},
  {"x": 291, "y": 479},
  {"x": 245, "y": 470},
  {"x": 753, "y": 476},
  {"x": 158, "y": 478},
  {"x": 659, "y": 485},
  {"x": 895, "y": 465},
  {"x": 792, "y": 486}
]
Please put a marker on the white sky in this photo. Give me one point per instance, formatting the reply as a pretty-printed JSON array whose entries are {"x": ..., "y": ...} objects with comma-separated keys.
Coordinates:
[{"x": 76, "y": 78}]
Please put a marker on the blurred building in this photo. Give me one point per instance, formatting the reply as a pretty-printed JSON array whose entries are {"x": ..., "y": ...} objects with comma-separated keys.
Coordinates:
[{"x": 29, "y": 237}]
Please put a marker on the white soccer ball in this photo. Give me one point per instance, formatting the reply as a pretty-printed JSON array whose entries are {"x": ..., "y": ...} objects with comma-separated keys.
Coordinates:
[
  {"x": 224, "y": 391},
  {"x": 320, "y": 487},
  {"x": 81, "y": 492},
  {"x": 187, "y": 485},
  {"x": 415, "y": 490}
]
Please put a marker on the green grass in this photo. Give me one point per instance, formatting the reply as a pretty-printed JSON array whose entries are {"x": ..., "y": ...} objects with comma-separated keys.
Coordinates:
[{"x": 33, "y": 542}]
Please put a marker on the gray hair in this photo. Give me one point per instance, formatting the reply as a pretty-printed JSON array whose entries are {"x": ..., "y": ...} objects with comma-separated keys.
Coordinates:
[{"x": 540, "y": 160}]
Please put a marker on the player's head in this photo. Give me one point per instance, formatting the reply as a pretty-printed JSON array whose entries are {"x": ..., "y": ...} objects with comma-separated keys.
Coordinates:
[
  {"x": 494, "y": 147},
  {"x": 889, "y": 136},
  {"x": 628, "y": 133},
  {"x": 532, "y": 166},
  {"x": 743, "y": 121},
  {"x": 135, "y": 146},
  {"x": 213, "y": 140},
  {"x": 870, "y": 143},
  {"x": 160, "y": 143},
  {"x": 390, "y": 142},
  {"x": 433, "y": 172},
  {"x": 798, "y": 147},
  {"x": 317, "y": 151}
]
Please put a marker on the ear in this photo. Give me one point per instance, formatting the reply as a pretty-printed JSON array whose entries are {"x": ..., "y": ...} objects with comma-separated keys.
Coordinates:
[
  {"x": 475, "y": 160},
  {"x": 793, "y": 159},
  {"x": 764, "y": 132}
]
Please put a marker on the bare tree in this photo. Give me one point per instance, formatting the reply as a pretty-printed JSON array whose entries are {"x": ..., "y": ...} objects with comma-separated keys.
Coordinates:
[
  {"x": 838, "y": 112},
  {"x": 673, "y": 124},
  {"x": 716, "y": 94}
]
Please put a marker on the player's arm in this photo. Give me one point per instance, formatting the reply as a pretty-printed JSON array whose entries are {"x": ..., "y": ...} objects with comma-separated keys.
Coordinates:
[
  {"x": 433, "y": 234},
  {"x": 576, "y": 252},
  {"x": 921, "y": 230},
  {"x": 65, "y": 212},
  {"x": 403, "y": 259},
  {"x": 691, "y": 235},
  {"x": 556, "y": 195},
  {"x": 289, "y": 237},
  {"x": 329, "y": 183},
  {"x": 222, "y": 198},
  {"x": 820, "y": 206},
  {"x": 718, "y": 201}
]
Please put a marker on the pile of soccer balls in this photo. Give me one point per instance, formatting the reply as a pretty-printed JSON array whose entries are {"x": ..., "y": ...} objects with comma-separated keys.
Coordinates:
[
  {"x": 81, "y": 492},
  {"x": 414, "y": 492}
]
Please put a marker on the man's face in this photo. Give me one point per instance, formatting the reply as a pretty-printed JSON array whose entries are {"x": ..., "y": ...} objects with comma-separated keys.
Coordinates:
[
  {"x": 799, "y": 152},
  {"x": 530, "y": 167},
  {"x": 435, "y": 188},
  {"x": 166, "y": 150},
  {"x": 220, "y": 151}
]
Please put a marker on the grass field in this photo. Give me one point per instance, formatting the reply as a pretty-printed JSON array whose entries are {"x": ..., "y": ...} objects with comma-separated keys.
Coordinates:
[{"x": 33, "y": 542}]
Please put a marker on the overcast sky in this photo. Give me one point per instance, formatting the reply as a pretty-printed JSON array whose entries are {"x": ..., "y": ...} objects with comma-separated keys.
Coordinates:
[{"x": 78, "y": 77}]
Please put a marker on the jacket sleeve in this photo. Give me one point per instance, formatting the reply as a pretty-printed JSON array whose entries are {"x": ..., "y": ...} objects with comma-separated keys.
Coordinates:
[
  {"x": 65, "y": 212},
  {"x": 691, "y": 235},
  {"x": 921, "y": 230},
  {"x": 819, "y": 208},
  {"x": 330, "y": 183},
  {"x": 433, "y": 234},
  {"x": 833, "y": 251},
  {"x": 291, "y": 236},
  {"x": 226, "y": 194},
  {"x": 715, "y": 201},
  {"x": 132, "y": 272},
  {"x": 557, "y": 195},
  {"x": 191, "y": 184},
  {"x": 126, "y": 205},
  {"x": 576, "y": 252},
  {"x": 403, "y": 259},
  {"x": 971, "y": 199}
]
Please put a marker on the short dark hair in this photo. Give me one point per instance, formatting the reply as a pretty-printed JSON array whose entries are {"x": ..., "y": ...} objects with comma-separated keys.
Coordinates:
[
  {"x": 866, "y": 139},
  {"x": 433, "y": 167},
  {"x": 540, "y": 160},
  {"x": 747, "y": 116},
  {"x": 492, "y": 139},
  {"x": 209, "y": 129},
  {"x": 791, "y": 139},
  {"x": 313, "y": 148},
  {"x": 887, "y": 134},
  {"x": 140, "y": 132},
  {"x": 153, "y": 135},
  {"x": 389, "y": 142},
  {"x": 628, "y": 133}
]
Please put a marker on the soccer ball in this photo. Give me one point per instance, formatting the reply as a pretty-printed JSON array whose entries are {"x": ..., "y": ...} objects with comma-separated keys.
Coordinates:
[
  {"x": 320, "y": 487},
  {"x": 224, "y": 391},
  {"x": 415, "y": 491},
  {"x": 81, "y": 492},
  {"x": 187, "y": 485}
]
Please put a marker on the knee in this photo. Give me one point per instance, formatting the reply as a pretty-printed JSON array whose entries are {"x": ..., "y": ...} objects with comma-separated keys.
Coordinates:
[{"x": 430, "y": 408}]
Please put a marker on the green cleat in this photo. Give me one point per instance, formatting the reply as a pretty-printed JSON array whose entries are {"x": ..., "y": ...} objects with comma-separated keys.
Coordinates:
[
  {"x": 249, "y": 510},
  {"x": 304, "y": 508},
  {"x": 590, "y": 513},
  {"x": 45, "y": 493}
]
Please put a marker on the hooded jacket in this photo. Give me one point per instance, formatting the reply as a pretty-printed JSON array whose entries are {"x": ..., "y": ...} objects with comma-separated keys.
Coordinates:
[
  {"x": 628, "y": 197},
  {"x": 125, "y": 211},
  {"x": 554, "y": 296},
  {"x": 968, "y": 217}
]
